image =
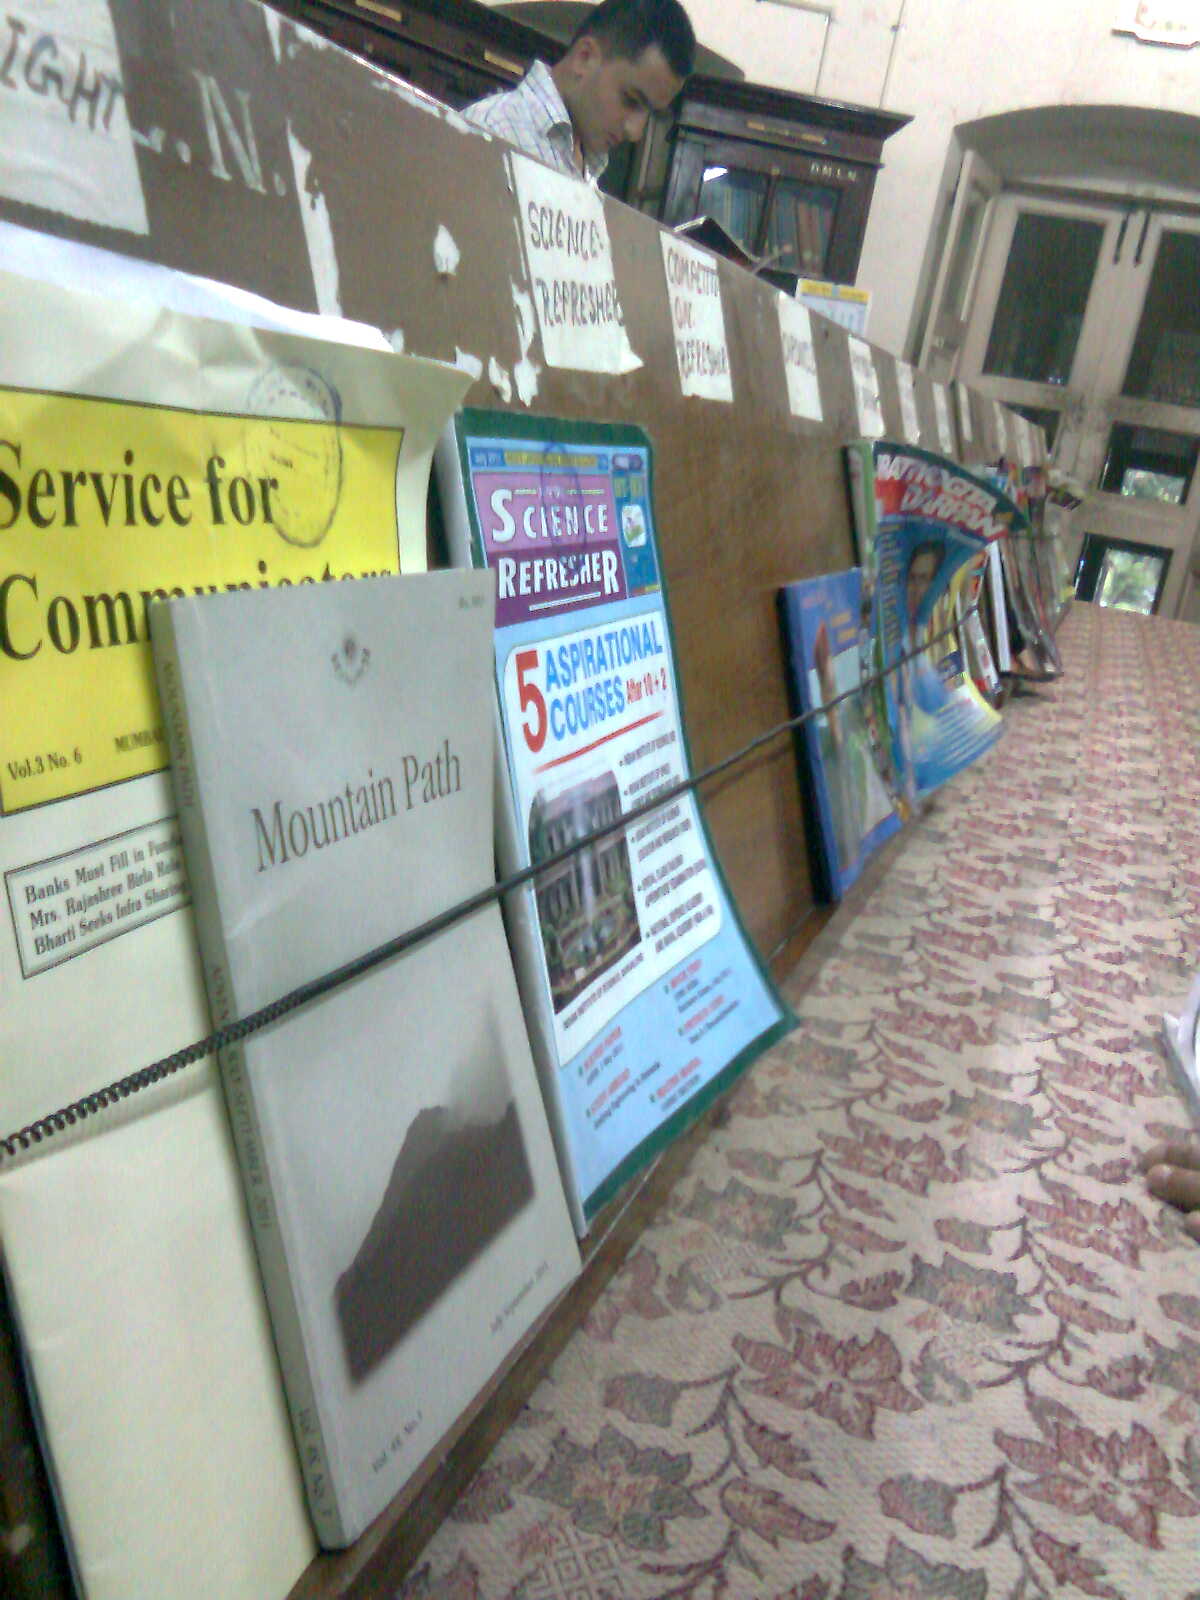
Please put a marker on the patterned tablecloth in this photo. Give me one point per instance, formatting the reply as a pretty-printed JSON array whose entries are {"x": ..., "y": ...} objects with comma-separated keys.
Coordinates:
[{"x": 909, "y": 1325}]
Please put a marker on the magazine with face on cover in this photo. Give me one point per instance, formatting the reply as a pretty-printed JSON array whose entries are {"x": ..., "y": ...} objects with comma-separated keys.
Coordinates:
[{"x": 924, "y": 525}]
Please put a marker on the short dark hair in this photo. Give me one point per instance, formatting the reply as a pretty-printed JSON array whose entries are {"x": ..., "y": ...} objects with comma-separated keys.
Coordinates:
[{"x": 627, "y": 27}]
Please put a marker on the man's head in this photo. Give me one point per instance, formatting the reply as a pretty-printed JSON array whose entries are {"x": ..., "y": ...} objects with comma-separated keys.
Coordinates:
[{"x": 629, "y": 58}]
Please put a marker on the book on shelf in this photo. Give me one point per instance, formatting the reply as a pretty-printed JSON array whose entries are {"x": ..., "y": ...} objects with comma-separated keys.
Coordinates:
[
  {"x": 333, "y": 761},
  {"x": 849, "y": 811},
  {"x": 139, "y": 1332},
  {"x": 643, "y": 993},
  {"x": 33, "y": 1553},
  {"x": 1030, "y": 621},
  {"x": 146, "y": 452},
  {"x": 977, "y": 652},
  {"x": 995, "y": 612},
  {"x": 923, "y": 526}
]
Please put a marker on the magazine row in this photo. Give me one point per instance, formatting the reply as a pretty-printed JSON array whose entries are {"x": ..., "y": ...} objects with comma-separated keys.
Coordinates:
[
  {"x": 232, "y": 779},
  {"x": 898, "y": 666}
]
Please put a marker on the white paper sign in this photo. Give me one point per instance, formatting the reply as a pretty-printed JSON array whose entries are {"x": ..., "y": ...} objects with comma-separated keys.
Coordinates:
[
  {"x": 866, "y": 388},
  {"x": 1021, "y": 433},
  {"x": 68, "y": 263},
  {"x": 697, "y": 321},
  {"x": 945, "y": 428},
  {"x": 1034, "y": 440},
  {"x": 799, "y": 359},
  {"x": 846, "y": 306},
  {"x": 908, "y": 402},
  {"x": 964, "y": 413},
  {"x": 1004, "y": 438},
  {"x": 1169, "y": 22},
  {"x": 569, "y": 258},
  {"x": 65, "y": 141},
  {"x": 1024, "y": 445}
]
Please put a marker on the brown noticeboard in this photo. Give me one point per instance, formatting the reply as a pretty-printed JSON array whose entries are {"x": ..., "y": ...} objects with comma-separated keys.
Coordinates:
[{"x": 272, "y": 161}]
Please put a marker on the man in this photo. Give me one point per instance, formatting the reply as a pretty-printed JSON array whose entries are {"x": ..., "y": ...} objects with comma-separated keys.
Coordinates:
[
  {"x": 1173, "y": 1174},
  {"x": 629, "y": 58}
]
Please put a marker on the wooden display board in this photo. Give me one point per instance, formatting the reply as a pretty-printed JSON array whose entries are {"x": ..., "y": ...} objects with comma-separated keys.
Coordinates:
[
  {"x": 216, "y": 138},
  {"x": 270, "y": 160}
]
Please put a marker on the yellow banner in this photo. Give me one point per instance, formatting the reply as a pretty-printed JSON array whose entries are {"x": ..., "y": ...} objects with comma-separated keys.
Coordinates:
[{"x": 106, "y": 506}]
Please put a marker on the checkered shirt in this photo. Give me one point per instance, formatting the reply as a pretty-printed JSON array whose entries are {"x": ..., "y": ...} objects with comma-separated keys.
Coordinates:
[{"x": 533, "y": 117}]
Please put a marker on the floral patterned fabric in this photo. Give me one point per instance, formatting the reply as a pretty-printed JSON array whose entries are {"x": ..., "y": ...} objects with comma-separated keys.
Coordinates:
[{"x": 909, "y": 1326}]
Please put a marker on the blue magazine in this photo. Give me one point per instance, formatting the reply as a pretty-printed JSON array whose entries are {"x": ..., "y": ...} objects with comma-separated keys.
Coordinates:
[
  {"x": 849, "y": 809},
  {"x": 643, "y": 993}
]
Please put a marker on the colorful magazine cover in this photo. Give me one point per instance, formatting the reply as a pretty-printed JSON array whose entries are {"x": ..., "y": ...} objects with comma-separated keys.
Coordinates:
[
  {"x": 860, "y": 482},
  {"x": 643, "y": 994},
  {"x": 972, "y": 602},
  {"x": 924, "y": 526},
  {"x": 1031, "y": 622},
  {"x": 848, "y": 809}
]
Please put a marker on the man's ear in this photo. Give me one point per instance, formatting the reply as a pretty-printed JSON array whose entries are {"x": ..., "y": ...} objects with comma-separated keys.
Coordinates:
[{"x": 584, "y": 53}]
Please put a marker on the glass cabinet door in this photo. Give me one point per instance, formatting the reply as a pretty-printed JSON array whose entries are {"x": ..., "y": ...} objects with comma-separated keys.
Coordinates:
[
  {"x": 737, "y": 200},
  {"x": 785, "y": 220},
  {"x": 800, "y": 223}
]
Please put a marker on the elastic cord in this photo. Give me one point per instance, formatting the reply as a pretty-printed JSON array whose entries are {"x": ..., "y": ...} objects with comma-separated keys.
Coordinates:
[{"x": 45, "y": 1127}]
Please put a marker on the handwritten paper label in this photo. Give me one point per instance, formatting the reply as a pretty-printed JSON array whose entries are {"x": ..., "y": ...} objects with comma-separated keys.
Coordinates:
[
  {"x": 65, "y": 141},
  {"x": 569, "y": 258},
  {"x": 908, "y": 403},
  {"x": 799, "y": 359},
  {"x": 945, "y": 428},
  {"x": 697, "y": 321},
  {"x": 866, "y": 388}
]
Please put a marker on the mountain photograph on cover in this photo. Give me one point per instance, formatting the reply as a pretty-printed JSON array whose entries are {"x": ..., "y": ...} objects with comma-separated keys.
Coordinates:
[
  {"x": 461, "y": 1176},
  {"x": 586, "y": 907}
]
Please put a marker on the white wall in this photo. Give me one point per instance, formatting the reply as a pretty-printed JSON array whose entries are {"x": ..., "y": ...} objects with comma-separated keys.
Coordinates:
[
  {"x": 956, "y": 60},
  {"x": 946, "y": 62}
]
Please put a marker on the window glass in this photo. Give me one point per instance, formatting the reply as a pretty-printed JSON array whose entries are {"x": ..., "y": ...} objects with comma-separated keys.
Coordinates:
[
  {"x": 1129, "y": 581},
  {"x": 1043, "y": 296},
  {"x": 1165, "y": 364},
  {"x": 1042, "y": 416},
  {"x": 1149, "y": 463}
]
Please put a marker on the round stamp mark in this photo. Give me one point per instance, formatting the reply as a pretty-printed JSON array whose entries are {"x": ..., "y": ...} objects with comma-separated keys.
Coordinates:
[{"x": 296, "y": 444}]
